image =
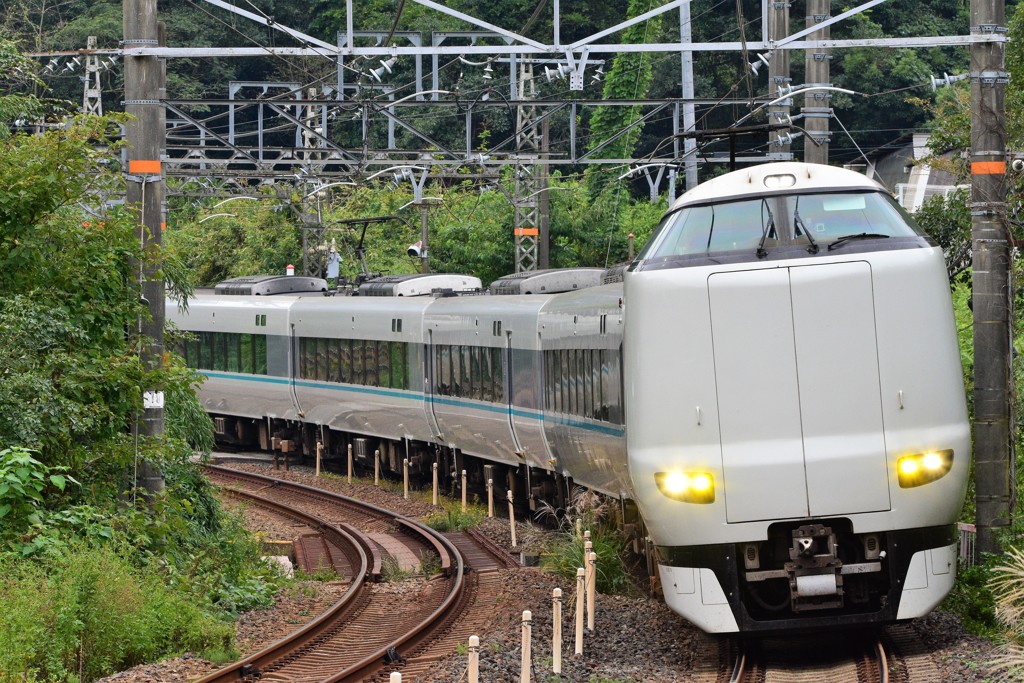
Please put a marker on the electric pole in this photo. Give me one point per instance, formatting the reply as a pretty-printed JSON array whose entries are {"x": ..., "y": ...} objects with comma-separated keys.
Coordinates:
[
  {"x": 992, "y": 290},
  {"x": 778, "y": 74},
  {"x": 144, "y": 135},
  {"x": 816, "y": 109}
]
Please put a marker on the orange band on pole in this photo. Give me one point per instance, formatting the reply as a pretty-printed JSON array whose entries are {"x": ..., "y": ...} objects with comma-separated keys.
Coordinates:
[
  {"x": 144, "y": 166},
  {"x": 988, "y": 168},
  {"x": 163, "y": 226},
  {"x": 527, "y": 232}
]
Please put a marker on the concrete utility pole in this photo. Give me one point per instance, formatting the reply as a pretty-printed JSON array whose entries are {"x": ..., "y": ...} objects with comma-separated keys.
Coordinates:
[
  {"x": 816, "y": 110},
  {"x": 145, "y": 134},
  {"x": 992, "y": 291},
  {"x": 778, "y": 74}
]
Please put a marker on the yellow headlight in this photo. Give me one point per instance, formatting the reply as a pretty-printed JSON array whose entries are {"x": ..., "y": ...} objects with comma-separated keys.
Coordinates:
[
  {"x": 689, "y": 487},
  {"x": 923, "y": 468}
]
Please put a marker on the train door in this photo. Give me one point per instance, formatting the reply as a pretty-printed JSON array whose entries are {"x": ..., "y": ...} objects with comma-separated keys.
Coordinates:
[
  {"x": 294, "y": 365},
  {"x": 510, "y": 389},
  {"x": 430, "y": 383}
]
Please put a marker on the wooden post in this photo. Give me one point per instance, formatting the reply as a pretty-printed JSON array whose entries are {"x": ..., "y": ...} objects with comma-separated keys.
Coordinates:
[
  {"x": 490, "y": 497},
  {"x": 319, "y": 454},
  {"x": 474, "y": 659},
  {"x": 463, "y": 490},
  {"x": 405, "y": 477},
  {"x": 511, "y": 519},
  {"x": 580, "y": 597},
  {"x": 556, "y": 635},
  {"x": 435, "y": 485},
  {"x": 273, "y": 447},
  {"x": 376, "y": 467},
  {"x": 285, "y": 453},
  {"x": 524, "y": 675},
  {"x": 591, "y": 590},
  {"x": 350, "y": 463}
]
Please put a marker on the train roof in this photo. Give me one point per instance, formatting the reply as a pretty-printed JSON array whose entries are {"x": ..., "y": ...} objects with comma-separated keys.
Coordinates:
[{"x": 774, "y": 178}]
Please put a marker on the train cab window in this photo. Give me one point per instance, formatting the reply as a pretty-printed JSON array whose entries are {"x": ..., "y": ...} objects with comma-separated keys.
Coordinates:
[
  {"x": 714, "y": 228},
  {"x": 830, "y": 217}
]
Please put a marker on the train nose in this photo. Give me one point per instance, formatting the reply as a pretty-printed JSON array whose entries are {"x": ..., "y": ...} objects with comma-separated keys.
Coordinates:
[{"x": 802, "y": 394}]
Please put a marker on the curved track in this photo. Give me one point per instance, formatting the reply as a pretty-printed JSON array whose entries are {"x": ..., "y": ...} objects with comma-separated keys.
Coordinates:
[{"x": 373, "y": 625}]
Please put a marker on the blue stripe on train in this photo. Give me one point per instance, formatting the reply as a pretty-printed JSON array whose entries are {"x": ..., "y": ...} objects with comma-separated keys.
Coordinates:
[{"x": 611, "y": 430}]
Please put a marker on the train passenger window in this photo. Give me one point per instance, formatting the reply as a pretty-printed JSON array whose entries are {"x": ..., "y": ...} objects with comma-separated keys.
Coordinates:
[
  {"x": 383, "y": 364},
  {"x": 496, "y": 372},
  {"x": 333, "y": 360},
  {"x": 245, "y": 353},
  {"x": 476, "y": 380},
  {"x": 398, "y": 365},
  {"x": 587, "y": 381},
  {"x": 322, "y": 359},
  {"x": 234, "y": 344},
  {"x": 442, "y": 370},
  {"x": 220, "y": 351},
  {"x": 260, "y": 354},
  {"x": 359, "y": 361}
]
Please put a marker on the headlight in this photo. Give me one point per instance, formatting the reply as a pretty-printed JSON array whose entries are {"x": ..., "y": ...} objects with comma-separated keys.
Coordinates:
[
  {"x": 922, "y": 468},
  {"x": 689, "y": 487}
]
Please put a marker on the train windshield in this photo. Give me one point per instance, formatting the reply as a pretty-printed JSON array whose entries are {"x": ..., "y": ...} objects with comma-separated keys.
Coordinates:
[{"x": 825, "y": 220}]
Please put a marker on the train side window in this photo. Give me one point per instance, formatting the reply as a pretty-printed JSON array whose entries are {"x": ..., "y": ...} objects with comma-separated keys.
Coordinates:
[
  {"x": 499, "y": 375},
  {"x": 234, "y": 345},
  {"x": 475, "y": 375},
  {"x": 396, "y": 351},
  {"x": 443, "y": 370},
  {"x": 219, "y": 351},
  {"x": 333, "y": 360},
  {"x": 384, "y": 363},
  {"x": 245, "y": 353},
  {"x": 358, "y": 361},
  {"x": 322, "y": 352},
  {"x": 260, "y": 354}
]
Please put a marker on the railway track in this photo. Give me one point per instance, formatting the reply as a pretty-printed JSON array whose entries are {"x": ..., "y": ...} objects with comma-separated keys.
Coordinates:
[
  {"x": 860, "y": 659},
  {"x": 376, "y": 627}
]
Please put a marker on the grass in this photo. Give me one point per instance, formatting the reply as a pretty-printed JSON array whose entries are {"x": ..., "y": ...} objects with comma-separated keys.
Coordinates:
[
  {"x": 452, "y": 518},
  {"x": 587, "y": 511}
]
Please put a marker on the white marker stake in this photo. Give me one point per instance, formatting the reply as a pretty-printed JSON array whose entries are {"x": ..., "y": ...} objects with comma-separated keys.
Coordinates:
[
  {"x": 376, "y": 468},
  {"x": 591, "y": 590},
  {"x": 490, "y": 497},
  {"x": 511, "y": 519},
  {"x": 524, "y": 675},
  {"x": 319, "y": 452},
  {"x": 435, "y": 484},
  {"x": 588, "y": 546},
  {"x": 350, "y": 463},
  {"x": 474, "y": 659},
  {"x": 396, "y": 677},
  {"x": 463, "y": 490},
  {"x": 580, "y": 590},
  {"x": 556, "y": 636},
  {"x": 405, "y": 478}
]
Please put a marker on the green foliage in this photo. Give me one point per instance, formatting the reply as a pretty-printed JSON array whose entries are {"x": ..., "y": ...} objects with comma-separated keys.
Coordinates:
[
  {"x": 22, "y": 482},
  {"x": 1008, "y": 586},
  {"x": 452, "y": 518},
  {"x": 586, "y": 512},
  {"x": 392, "y": 571},
  {"x": 972, "y": 599},
  {"x": 628, "y": 79},
  {"x": 89, "y": 612}
]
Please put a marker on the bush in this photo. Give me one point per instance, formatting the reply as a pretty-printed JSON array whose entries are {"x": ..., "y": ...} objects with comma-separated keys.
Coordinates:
[
  {"x": 88, "y": 612},
  {"x": 586, "y": 511}
]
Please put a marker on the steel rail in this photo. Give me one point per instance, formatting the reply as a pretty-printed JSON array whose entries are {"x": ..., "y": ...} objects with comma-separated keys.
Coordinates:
[{"x": 414, "y": 637}]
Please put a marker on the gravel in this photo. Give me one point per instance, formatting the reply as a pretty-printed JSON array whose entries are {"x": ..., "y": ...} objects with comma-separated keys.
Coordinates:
[{"x": 636, "y": 637}]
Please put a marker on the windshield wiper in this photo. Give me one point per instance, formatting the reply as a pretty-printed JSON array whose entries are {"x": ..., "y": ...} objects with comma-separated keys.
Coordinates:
[
  {"x": 859, "y": 236},
  {"x": 769, "y": 228},
  {"x": 798, "y": 224}
]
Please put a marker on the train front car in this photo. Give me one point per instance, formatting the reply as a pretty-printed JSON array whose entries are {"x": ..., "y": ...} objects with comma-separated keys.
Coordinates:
[{"x": 796, "y": 425}]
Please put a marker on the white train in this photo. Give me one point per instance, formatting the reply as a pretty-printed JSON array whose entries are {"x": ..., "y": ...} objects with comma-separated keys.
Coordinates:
[{"x": 776, "y": 386}]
